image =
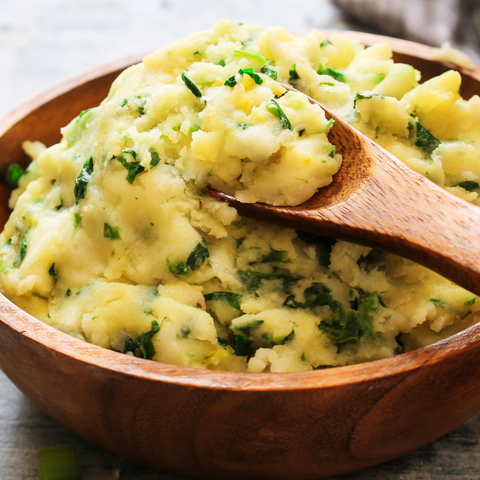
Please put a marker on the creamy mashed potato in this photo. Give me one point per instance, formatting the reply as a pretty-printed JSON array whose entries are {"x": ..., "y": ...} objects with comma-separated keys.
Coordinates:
[{"x": 114, "y": 239}]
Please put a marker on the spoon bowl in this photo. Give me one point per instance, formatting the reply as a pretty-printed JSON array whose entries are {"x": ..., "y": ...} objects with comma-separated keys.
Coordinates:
[{"x": 377, "y": 201}]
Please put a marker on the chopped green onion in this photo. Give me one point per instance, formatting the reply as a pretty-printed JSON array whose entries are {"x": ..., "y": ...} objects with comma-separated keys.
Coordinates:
[
  {"x": 111, "y": 232},
  {"x": 190, "y": 84},
  {"x": 59, "y": 462},
  {"x": 248, "y": 54},
  {"x": 294, "y": 76},
  {"x": 274, "y": 108},
  {"x": 13, "y": 175}
]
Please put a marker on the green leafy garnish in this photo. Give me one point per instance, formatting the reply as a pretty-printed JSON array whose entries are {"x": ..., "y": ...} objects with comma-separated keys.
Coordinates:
[
  {"x": 184, "y": 332},
  {"x": 155, "y": 158},
  {"x": 77, "y": 220},
  {"x": 364, "y": 96},
  {"x": 68, "y": 292},
  {"x": 269, "y": 70},
  {"x": 275, "y": 256},
  {"x": 471, "y": 301},
  {"x": 468, "y": 185},
  {"x": 134, "y": 168},
  {"x": 274, "y": 108},
  {"x": 59, "y": 462},
  {"x": 222, "y": 342},
  {"x": 316, "y": 295},
  {"x": 287, "y": 338},
  {"x": 246, "y": 328},
  {"x": 324, "y": 43},
  {"x": 294, "y": 76},
  {"x": 232, "y": 299},
  {"x": 301, "y": 132},
  {"x": 243, "y": 346},
  {"x": 142, "y": 346},
  {"x": 13, "y": 175},
  {"x": 23, "y": 245},
  {"x": 111, "y": 232},
  {"x": 338, "y": 76},
  {"x": 190, "y": 84},
  {"x": 80, "y": 124},
  {"x": 53, "y": 273},
  {"x": 231, "y": 82},
  {"x": 83, "y": 180},
  {"x": 221, "y": 62},
  {"x": 333, "y": 152},
  {"x": 252, "y": 280},
  {"x": 437, "y": 302},
  {"x": 249, "y": 54},
  {"x": 323, "y": 246},
  {"x": 425, "y": 140},
  {"x": 194, "y": 261},
  {"x": 243, "y": 126}
]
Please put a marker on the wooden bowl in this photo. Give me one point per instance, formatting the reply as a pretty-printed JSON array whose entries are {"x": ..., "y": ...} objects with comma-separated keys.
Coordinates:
[{"x": 223, "y": 424}]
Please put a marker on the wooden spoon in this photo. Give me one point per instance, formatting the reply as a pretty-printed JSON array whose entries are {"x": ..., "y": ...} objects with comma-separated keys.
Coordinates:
[{"x": 377, "y": 201}]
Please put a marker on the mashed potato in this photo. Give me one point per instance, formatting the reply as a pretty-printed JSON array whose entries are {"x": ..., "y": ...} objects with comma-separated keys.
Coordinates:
[{"x": 114, "y": 239}]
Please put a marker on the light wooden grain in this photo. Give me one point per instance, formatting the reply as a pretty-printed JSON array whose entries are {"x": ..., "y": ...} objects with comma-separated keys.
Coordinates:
[{"x": 224, "y": 424}]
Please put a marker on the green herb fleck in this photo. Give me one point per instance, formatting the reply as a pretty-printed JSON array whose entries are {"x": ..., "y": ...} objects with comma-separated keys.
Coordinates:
[
  {"x": 111, "y": 232},
  {"x": 337, "y": 75},
  {"x": 190, "y": 84},
  {"x": 77, "y": 220},
  {"x": 68, "y": 292},
  {"x": 301, "y": 132},
  {"x": 471, "y": 301},
  {"x": 221, "y": 62},
  {"x": 364, "y": 96},
  {"x": 468, "y": 185},
  {"x": 222, "y": 342},
  {"x": 155, "y": 158},
  {"x": 23, "y": 244},
  {"x": 249, "y": 54},
  {"x": 243, "y": 346},
  {"x": 142, "y": 346},
  {"x": 437, "y": 302},
  {"x": 244, "y": 126},
  {"x": 83, "y": 180},
  {"x": 232, "y": 299},
  {"x": 275, "y": 256},
  {"x": 134, "y": 168},
  {"x": 274, "y": 108},
  {"x": 425, "y": 140},
  {"x": 13, "y": 175},
  {"x": 53, "y": 273},
  {"x": 194, "y": 261},
  {"x": 294, "y": 76},
  {"x": 252, "y": 280},
  {"x": 269, "y": 71},
  {"x": 246, "y": 328},
  {"x": 184, "y": 332}
]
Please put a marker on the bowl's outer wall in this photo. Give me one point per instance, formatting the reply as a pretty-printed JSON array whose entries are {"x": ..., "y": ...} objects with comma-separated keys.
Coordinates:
[{"x": 213, "y": 424}]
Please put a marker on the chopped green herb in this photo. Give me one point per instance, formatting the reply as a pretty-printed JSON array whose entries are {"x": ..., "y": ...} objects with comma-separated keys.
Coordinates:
[
  {"x": 80, "y": 124},
  {"x": 194, "y": 128},
  {"x": 155, "y": 158},
  {"x": 468, "y": 185},
  {"x": 337, "y": 75},
  {"x": 248, "y": 54},
  {"x": 243, "y": 346},
  {"x": 231, "y": 82},
  {"x": 275, "y": 256},
  {"x": 437, "y": 302},
  {"x": 323, "y": 246},
  {"x": 232, "y": 299},
  {"x": 222, "y": 342},
  {"x": 53, "y": 273},
  {"x": 141, "y": 105},
  {"x": 111, "y": 232},
  {"x": 13, "y": 175},
  {"x": 125, "y": 101},
  {"x": 287, "y": 338},
  {"x": 77, "y": 220},
  {"x": 294, "y": 76},
  {"x": 142, "y": 346},
  {"x": 274, "y": 108},
  {"x": 425, "y": 140},
  {"x": 194, "y": 261},
  {"x": 301, "y": 132},
  {"x": 23, "y": 245},
  {"x": 60, "y": 205},
  {"x": 36, "y": 294},
  {"x": 190, "y": 84},
  {"x": 59, "y": 462},
  {"x": 333, "y": 152},
  {"x": 317, "y": 295},
  {"x": 324, "y": 43},
  {"x": 221, "y": 62},
  {"x": 68, "y": 292},
  {"x": 252, "y": 280},
  {"x": 246, "y": 328},
  {"x": 184, "y": 332},
  {"x": 466, "y": 314},
  {"x": 243, "y": 126},
  {"x": 269, "y": 71},
  {"x": 198, "y": 53},
  {"x": 134, "y": 168},
  {"x": 366, "y": 96},
  {"x": 83, "y": 180},
  {"x": 471, "y": 301}
]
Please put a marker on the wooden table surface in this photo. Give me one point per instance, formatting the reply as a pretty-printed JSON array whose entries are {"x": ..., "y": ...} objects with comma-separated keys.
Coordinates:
[{"x": 44, "y": 41}]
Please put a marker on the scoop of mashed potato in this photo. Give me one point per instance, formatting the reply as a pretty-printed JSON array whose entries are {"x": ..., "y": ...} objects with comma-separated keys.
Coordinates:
[{"x": 114, "y": 239}]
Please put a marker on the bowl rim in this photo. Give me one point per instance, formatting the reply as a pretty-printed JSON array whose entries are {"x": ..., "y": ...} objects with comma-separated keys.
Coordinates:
[{"x": 34, "y": 330}]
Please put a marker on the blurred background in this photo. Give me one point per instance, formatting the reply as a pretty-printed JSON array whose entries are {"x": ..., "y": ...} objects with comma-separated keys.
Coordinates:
[{"x": 44, "y": 41}]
